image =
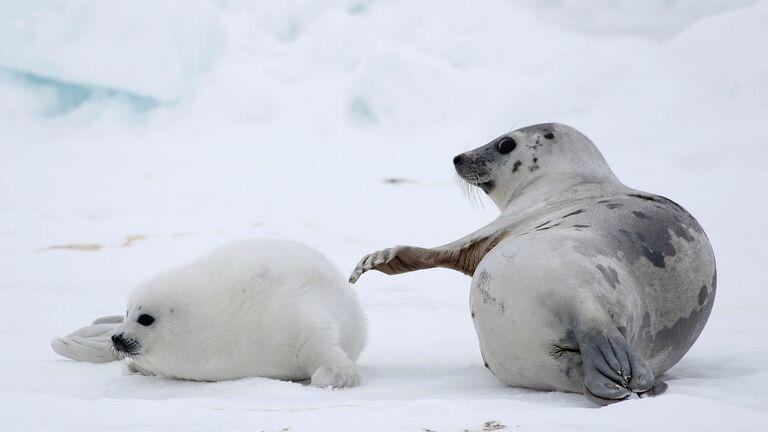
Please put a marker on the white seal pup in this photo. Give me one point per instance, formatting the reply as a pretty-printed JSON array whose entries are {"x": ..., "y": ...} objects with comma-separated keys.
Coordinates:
[
  {"x": 581, "y": 284},
  {"x": 259, "y": 308}
]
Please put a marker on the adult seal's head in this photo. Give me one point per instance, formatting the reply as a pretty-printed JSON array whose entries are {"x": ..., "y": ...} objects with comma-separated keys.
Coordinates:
[{"x": 545, "y": 152}]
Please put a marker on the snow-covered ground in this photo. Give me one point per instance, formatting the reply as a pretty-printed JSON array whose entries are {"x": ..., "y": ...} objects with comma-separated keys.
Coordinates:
[{"x": 137, "y": 135}]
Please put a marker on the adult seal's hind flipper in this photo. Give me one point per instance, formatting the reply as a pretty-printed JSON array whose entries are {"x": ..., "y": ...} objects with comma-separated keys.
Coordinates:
[{"x": 612, "y": 370}]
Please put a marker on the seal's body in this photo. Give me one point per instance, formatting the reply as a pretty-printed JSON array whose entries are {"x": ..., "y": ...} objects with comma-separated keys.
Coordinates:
[
  {"x": 267, "y": 308},
  {"x": 582, "y": 284},
  {"x": 630, "y": 272}
]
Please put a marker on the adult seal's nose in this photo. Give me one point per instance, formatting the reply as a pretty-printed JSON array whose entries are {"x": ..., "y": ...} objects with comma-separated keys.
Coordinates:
[{"x": 458, "y": 159}]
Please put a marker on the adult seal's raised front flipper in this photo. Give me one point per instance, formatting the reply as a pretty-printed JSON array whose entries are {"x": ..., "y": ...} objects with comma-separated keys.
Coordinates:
[
  {"x": 91, "y": 343},
  {"x": 582, "y": 284}
]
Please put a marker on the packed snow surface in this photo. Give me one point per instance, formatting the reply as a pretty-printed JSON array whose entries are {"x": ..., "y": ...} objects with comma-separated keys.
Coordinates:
[{"x": 135, "y": 136}]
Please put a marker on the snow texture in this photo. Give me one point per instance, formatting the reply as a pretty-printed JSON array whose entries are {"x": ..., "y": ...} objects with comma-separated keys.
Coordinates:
[{"x": 137, "y": 135}]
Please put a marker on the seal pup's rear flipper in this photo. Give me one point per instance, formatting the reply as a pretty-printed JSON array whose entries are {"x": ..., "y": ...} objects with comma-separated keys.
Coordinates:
[
  {"x": 92, "y": 343},
  {"x": 111, "y": 319}
]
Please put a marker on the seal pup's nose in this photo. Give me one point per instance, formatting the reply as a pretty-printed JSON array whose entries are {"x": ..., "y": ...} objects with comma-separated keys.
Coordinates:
[
  {"x": 118, "y": 342},
  {"x": 458, "y": 159}
]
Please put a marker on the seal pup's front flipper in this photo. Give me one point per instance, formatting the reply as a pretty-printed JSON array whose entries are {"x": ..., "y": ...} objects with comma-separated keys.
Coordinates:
[
  {"x": 92, "y": 343},
  {"x": 324, "y": 359}
]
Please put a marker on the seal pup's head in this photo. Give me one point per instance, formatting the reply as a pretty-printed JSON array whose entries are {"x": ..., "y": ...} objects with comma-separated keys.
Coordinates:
[
  {"x": 162, "y": 321},
  {"x": 551, "y": 152},
  {"x": 147, "y": 320},
  {"x": 189, "y": 322}
]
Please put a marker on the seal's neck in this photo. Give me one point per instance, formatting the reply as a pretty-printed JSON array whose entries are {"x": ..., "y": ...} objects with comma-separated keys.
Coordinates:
[{"x": 543, "y": 192}]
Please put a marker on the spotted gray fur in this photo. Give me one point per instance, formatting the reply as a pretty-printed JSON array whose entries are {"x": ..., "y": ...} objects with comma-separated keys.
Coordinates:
[{"x": 609, "y": 287}]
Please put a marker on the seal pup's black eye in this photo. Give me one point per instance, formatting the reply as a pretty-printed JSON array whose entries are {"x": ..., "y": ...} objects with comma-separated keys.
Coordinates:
[
  {"x": 145, "y": 320},
  {"x": 506, "y": 145},
  {"x": 549, "y": 136}
]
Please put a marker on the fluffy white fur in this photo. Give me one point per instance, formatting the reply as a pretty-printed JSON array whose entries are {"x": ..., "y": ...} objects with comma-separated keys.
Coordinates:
[{"x": 268, "y": 308}]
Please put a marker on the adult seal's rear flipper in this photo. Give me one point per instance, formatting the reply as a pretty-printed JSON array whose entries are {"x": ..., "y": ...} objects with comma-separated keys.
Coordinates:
[{"x": 92, "y": 343}]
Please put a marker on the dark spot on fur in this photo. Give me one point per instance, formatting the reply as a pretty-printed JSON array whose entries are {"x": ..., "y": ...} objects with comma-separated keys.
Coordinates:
[
  {"x": 652, "y": 237},
  {"x": 486, "y": 365},
  {"x": 534, "y": 146},
  {"x": 549, "y": 136},
  {"x": 612, "y": 206},
  {"x": 483, "y": 280},
  {"x": 641, "y": 215},
  {"x": 655, "y": 256},
  {"x": 682, "y": 232},
  {"x": 610, "y": 275},
  {"x": 644, "y": 197},
  {"x": 573, "y": 213},
  {"x": 548, "y": 227},
  {"x": 582, "y": 226},
  {"x": 516, "y": 166},
  {"x": 473, "y": 314},
  {"x": 678, "y": 336},
  {"x": 539, "y": 226},
  {"x": 681, "y": 229},
  {"x": 674, "y": 204},
  {"x": 603, "y": 201},
  {"x": 702, "y": 295},
  {"x": 535, "y": 165}
]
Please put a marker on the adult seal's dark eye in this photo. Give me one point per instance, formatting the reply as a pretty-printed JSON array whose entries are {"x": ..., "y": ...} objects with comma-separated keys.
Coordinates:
[
  {"x": 506, "y": 145},
  {"x": 145, "y": 320}
]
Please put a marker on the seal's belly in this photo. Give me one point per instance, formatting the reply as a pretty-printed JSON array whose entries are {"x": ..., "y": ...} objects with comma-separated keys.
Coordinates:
[{"x": 520, "y": 324}]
